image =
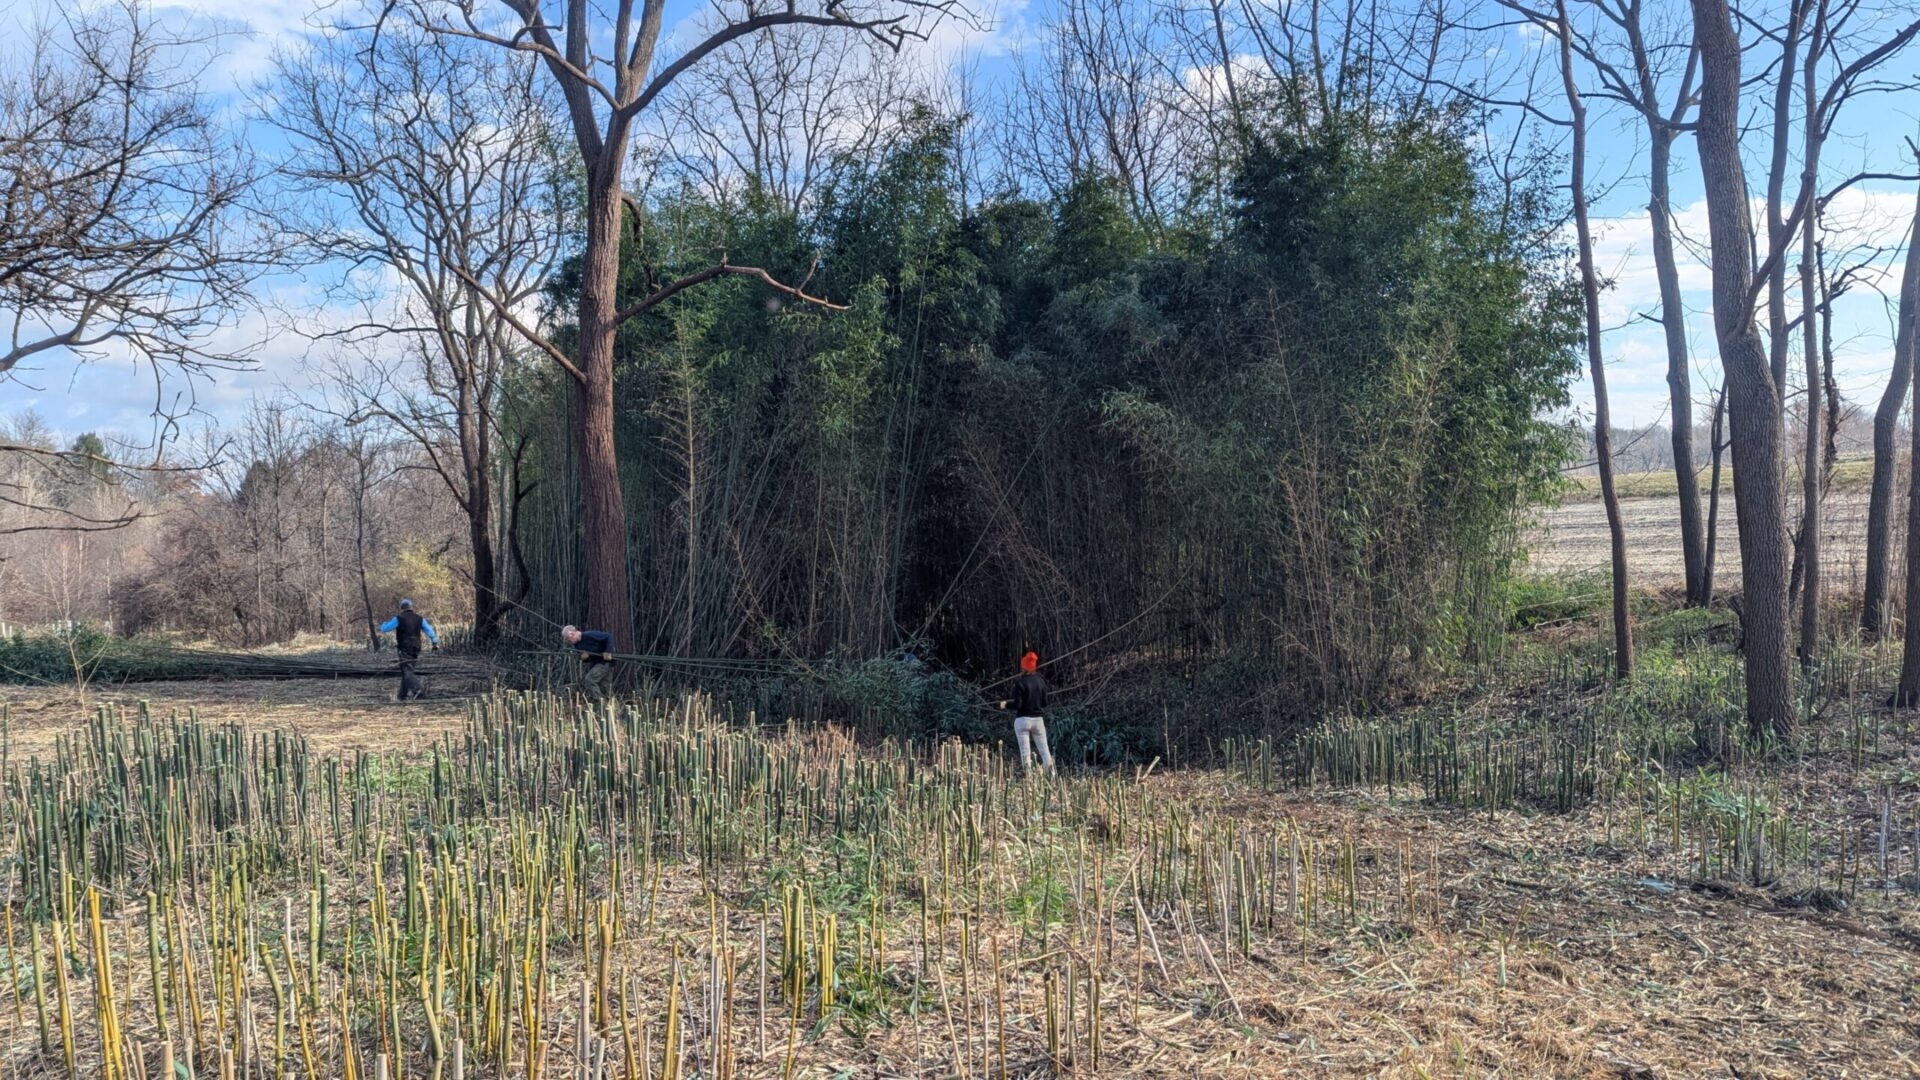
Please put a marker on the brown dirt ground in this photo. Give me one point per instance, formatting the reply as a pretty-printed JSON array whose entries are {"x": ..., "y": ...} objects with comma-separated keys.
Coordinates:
[
  {"x": 339, "y": 714},
  {"x": 1616, "y": 962},
  {"x": 1572, "y": 539}
]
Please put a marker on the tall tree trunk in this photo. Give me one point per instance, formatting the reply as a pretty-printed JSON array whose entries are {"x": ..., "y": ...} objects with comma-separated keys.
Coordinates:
[
  {"x": 1777, "y": 332},
  {"x": 1810, "y": 460},
  {"x": 487, "y": 609},
  {"x": 609, "y": 597},
  {"x": 362, "y": 480},
  {"x": 1886, "y": 428},
  {"x": 1673, "y": 318},
  {"x": 1811, "y": 471},
  {"x": 1830, "y": 448},
  {"x": 1714, "y": 448},
  {"x": 474, "y": 427},
  {"x": 1908, "y": 693},
  {"x": 1753, "y": 397},
  {"x": 1810, "y": 486},
  {"x": 1590, "y": 288}
]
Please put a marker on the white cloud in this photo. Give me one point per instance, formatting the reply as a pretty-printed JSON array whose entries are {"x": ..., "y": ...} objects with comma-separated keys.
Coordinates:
[
  {"x": 1862, "y": 225},
  {"x": 1208, "y": 83},
  {"x": 281, "y": 339},
  {"x": 251, "y": 32},
  {"x": 995, "y": 29}
]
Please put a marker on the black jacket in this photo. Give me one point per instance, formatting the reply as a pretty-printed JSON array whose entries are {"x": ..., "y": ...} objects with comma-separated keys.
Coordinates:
[
  {"x": 1030, "y": 695},
  {"x": 406, "y": 634}
]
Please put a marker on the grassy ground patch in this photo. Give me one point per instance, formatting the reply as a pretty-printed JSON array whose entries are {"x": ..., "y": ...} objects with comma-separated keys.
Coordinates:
[{"x": 1539, "y": 874}]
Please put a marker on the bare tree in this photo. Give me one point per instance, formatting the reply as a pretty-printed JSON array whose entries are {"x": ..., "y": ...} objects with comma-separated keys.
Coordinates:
[
  {"x": 1562, "y": 27},
  {"x": 1559, "y": 25},
  {"x": 1810, "y": 470},
  {"x": 68, "y": 518},
  {"x": 604, "y": 64},
  {"x": 369, "y": 456},
  {"x": 1098, "y": 99},
  {"x": 35, "y": 491},
  {"x": 1652, "y": 53},
  {"x": 775, "y": 111},
  {"x": 1756, "y": 369},
  {"x": 1754, "y": 403},
  {"x": 1828, "y": 81},
  {"x": 1886, "y": 424},
  {"x": 1716, "y": 451},
  {"x": 1907, "y": 693},
  {"x": 310, "y": 525},
  {"x": 1779, "y": 232},
  {"x": 122, "y": 196},
  {"x": 431, "y": 156}
]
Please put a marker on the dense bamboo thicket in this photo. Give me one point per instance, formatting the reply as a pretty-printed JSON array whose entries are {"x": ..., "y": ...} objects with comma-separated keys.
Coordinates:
[{"x": 1300, "y": 436}]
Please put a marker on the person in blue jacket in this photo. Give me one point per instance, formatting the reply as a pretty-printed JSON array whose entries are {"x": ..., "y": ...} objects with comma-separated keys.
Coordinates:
[
  {"x": 407, "y": 627},
  {"x": 596, "y": 657}
]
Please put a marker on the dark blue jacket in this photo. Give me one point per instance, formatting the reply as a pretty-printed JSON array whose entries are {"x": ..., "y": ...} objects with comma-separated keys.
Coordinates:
[{"x": 593, "y": 643}]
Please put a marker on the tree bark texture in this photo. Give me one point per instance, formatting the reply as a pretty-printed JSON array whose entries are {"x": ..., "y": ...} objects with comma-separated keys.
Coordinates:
[
  {"x": 1753, "y": 399},
  {"x": 1811, "y": 468},
  {"x": 1886, "y": 428},
  {"x": 1810, "y": 464},
  {"x": 1908, "y": 693},
  {"x": 609, "y": 598},
  {"x": 1715, "y": 448},
  {"x": 1777, "y": 331},
  {"x": 1679, "y": 373}
]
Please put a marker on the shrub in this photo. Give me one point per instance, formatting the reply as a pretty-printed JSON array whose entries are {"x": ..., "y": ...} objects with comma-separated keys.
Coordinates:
[{"x": 891, "y": 698}]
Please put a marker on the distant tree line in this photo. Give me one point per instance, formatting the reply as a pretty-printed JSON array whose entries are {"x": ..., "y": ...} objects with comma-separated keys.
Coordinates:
[
  {"x": 291, "y": 524},
  {"x": 1649, "y": 447}
]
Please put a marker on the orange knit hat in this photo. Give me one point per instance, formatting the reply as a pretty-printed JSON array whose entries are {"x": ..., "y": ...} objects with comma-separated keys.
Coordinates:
[{"x": 1030, "y": 661}]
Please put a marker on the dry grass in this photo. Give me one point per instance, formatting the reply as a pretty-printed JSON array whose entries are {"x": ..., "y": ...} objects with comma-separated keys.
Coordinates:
[
  {"x": 1534, "y": 945},
  {"x": 1572, "y": 539},
  {"x": 1847, "y": 473},
  {"x": 341, "y": 714}
]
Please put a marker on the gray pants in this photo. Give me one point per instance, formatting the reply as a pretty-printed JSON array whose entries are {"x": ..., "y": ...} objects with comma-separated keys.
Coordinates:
[
  {"x": 411, "y": 684},
  {"x": 594, "y": 679},
  {"x": 1031, "y": 733}
]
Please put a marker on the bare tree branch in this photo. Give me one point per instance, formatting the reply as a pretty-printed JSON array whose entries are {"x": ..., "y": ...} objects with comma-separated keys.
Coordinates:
[
  {"x": 124, "y": 197},
  {"x": 722, "y": 269}
]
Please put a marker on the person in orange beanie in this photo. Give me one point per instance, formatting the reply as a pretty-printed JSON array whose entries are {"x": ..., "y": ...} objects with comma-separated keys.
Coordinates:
[{"x": 1029, "y": 705}]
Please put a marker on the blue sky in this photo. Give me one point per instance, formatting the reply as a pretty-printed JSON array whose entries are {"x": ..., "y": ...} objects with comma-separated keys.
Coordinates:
[{"x": 119, "y": 396}]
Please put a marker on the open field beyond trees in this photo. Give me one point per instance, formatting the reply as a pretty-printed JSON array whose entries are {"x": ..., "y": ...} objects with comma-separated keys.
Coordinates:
[
  {"x": 1571, "y": 538},
  {"x": 1852, "y": 472},
  {"x": 1530, "y": 876}
]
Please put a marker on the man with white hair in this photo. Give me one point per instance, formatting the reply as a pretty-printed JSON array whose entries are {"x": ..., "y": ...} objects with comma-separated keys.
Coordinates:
[{"x": 596, "y": 658}]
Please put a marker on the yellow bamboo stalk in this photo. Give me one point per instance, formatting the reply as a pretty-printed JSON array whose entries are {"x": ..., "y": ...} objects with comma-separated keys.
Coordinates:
[
  {"x": 113, "y": 1064},
  {"x": 40, "y": 991},
  {"x": 65, "y": 1001},
  {"x": 670, "y": 1062}
]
